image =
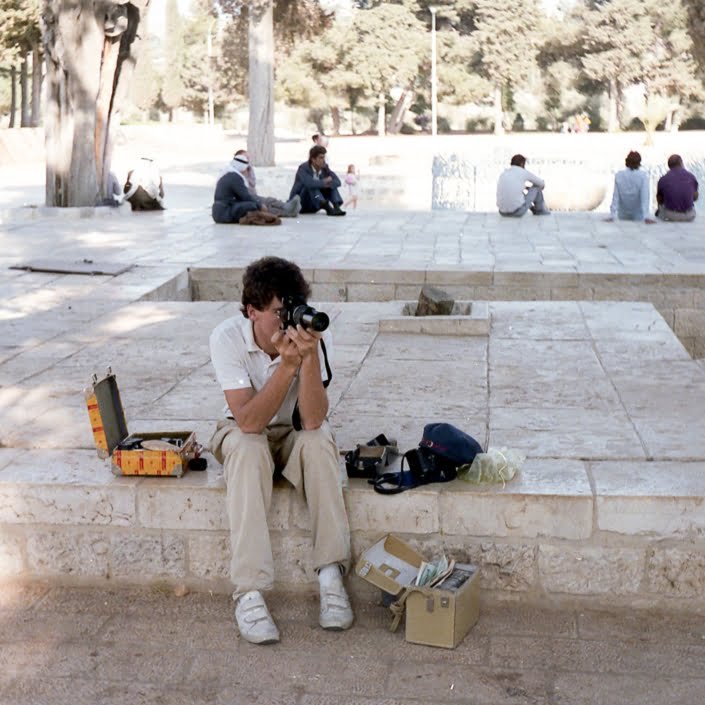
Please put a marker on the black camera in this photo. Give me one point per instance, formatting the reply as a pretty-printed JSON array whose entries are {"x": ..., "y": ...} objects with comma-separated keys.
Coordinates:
[{"x": 297, "y": 312}]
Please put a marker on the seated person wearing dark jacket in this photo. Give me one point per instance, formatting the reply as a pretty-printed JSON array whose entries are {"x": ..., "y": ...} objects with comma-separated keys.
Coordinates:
[
  {"x": 232, "y": 198},
  {"x": 317, "y": 185},
  {"x": 677, "y": 192}
]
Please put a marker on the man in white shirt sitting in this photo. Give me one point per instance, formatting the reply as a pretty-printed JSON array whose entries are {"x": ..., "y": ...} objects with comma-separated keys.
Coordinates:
[
  {"x": 274, "y": 376},
  {"x": 514, "y": 198}
]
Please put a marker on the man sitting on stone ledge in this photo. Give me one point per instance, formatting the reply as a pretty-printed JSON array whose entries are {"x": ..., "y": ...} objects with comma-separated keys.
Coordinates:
[
  {"x": 630, "y": 199},
  {"x": 677, "y": 192},
  {"x": 513, "y": 196},
  {"x": 276, "y": 407}
]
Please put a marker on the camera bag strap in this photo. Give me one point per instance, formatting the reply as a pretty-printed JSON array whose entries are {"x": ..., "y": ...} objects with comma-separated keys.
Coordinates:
[{"x": 296, "y": 415}]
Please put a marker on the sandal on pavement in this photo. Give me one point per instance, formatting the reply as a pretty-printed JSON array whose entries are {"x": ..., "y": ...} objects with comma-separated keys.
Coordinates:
[{"x": 254, "y": 621}]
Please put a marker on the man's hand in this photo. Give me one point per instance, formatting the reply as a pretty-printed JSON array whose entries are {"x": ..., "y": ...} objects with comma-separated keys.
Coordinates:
[
  {"x": 306, "y": 341},
  {"x": 328, "y": 180},
  {"x": 290, "y": 355}
]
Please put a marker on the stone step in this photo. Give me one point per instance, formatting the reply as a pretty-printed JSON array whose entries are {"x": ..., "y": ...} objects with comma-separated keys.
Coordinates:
[{"x": 602, "y": 532}]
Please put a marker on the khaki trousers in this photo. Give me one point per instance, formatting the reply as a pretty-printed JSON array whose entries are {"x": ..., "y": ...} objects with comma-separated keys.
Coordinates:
[{"x": 309, "y": 461}]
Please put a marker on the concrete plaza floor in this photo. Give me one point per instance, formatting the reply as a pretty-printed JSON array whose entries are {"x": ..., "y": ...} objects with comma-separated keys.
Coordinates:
[{"x": 63, "y": 646}]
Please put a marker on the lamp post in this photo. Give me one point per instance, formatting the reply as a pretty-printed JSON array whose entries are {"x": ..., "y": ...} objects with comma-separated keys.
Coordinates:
[{"x": 434, "y": 97}]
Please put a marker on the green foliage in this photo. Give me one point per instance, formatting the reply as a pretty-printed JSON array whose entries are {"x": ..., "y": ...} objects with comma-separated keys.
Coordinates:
[
  {"x": 19, "y": 28},
  {"x": 146, "y": 81},
  {"x": 354, "y": 62},
  {"x": 696, "y": 25}
]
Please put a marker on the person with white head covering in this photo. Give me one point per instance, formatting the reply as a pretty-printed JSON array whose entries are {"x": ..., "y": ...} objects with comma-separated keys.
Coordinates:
[
  {"x": 290, "y": 209},
  {"x": 232, "y": 198},
  {"x": 144, "y": 188}
]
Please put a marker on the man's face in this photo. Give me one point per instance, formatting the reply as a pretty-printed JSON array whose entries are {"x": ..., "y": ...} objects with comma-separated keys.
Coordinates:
[
  {"x": 319, "y": 162},
  {"x": 266, "y": 323}
]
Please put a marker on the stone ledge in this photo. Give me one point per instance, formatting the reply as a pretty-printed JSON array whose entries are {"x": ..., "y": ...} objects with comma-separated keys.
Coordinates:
[{"x": 553, "y": 531}]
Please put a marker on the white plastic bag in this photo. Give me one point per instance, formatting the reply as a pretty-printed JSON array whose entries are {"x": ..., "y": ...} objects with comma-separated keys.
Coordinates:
[{"x": 496, "y": 465}]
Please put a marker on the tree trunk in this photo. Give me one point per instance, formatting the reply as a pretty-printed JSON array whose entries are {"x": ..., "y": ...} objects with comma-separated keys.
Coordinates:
[
  {"x": 498, "y": 112},
  {"x": 13, "y": 94},
  {"x": 84, "y": 82},
  {"x": 381, "y": 117},
  {"x": 260, "y": 135},
  {"x": 36, "y": 87},
  {"x": 335, "y": 115},
  {"x": 35, "y": 118},
  {"x": 24, "y": 93},
  {"x": 612, "y": 115},
  {"x": 396, "y": 119}
]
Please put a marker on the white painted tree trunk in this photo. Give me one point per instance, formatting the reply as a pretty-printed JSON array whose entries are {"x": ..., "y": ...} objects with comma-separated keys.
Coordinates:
[
  {"x": 260, "y": 134},
  {"x": 613, "y": 112},
  {"x": 498, "y": 112},
  {"x": 87, "y": 45}
]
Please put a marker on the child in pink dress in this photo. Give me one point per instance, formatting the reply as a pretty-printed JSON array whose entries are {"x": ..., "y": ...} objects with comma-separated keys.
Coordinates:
[{"x": 351, "y": 179}]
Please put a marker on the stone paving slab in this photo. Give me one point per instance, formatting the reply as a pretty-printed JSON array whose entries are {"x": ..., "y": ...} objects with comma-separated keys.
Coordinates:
[{"x": 148, "y": 647}]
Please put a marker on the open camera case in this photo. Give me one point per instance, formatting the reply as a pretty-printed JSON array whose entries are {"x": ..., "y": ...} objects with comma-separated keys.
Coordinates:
[{"x": 112, "y": 439}]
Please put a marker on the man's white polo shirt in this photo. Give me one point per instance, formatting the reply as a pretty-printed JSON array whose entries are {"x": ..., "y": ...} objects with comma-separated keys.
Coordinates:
[{"x": 240, "y": 363}]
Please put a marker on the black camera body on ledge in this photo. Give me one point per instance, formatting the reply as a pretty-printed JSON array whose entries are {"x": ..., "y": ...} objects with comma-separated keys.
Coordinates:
[{"x": 296, "y": 311}]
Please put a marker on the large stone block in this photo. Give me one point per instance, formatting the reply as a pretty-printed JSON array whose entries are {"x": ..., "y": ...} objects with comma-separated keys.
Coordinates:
[
  {"x": 676, "y": 572},
  {"x": 413, "y": 512},
  {"x": 689, "y": 323},
  {"x": 510, "y": 567},
  {"x": 175, "y": 507},
  {"x": 11, "y": 558},
  {"x": 590, "y": 570},
  {"x": 66, "y": 552},
  {"x": 147, "y": 556},
  {"x": 57, "y": 504},
  {"x": 209, "y": 555},
  {"x": 293, "y": 558},
  {"x": 503, "y": 515}
]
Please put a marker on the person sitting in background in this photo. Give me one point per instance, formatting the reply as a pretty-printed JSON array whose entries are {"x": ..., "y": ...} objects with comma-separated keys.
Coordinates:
[
  {"x": 630, "y": 199},
  {"x": 232, "y": 199},
  {"x": 290, "y": 209},
  {"x": 513, "y": 196},
  {"x": 676, "y": 192},
  {"x": 317, "y": 185},
  {"x": 320, "y": 140},
  {"x": 351, "y": 180},
  {"x": 144, "y": 188}
]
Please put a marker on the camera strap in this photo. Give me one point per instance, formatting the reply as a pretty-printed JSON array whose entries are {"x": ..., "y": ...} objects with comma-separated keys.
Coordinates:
[{"x": 296, "y": 416}]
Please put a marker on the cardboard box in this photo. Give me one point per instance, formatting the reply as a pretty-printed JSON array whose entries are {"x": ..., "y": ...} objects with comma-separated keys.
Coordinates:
[
  {"x": 107, "y": 418},
  {"x": 435, "y": 616}
]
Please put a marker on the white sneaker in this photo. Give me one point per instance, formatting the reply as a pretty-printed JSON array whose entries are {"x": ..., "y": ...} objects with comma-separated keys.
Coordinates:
[
  {"x": 253, "y": 619},
  {"x": 336, "y": 613}
]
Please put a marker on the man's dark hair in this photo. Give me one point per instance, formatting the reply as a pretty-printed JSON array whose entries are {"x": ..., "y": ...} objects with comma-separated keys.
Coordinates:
[
  {"x": 518, "y": 160},
  {"x": 675, "y": 161},
  {"x": 240, "y": 151},
  {"x": 633, "y": 160},
  {"x": 268, "y": 277},
  {"x": 316, "y": 151},
  {"x": 315, "y": 138}
]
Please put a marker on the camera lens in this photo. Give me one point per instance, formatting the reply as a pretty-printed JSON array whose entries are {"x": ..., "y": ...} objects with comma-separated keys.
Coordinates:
[{"x": 310, "y": 318}]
